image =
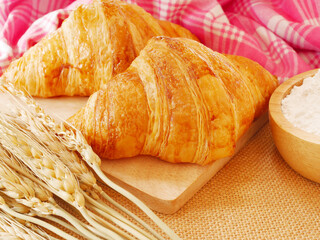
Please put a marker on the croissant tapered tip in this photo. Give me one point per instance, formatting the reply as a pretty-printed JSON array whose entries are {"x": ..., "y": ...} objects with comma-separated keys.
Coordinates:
[{"x": 76, "y": 119}]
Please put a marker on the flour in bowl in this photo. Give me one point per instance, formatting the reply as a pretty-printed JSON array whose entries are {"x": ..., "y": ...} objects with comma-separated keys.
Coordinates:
[{"x": 302, "y": 106}]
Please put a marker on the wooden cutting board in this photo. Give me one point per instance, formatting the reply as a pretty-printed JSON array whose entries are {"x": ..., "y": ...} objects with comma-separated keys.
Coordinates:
[{"x": 164, "y": 187}]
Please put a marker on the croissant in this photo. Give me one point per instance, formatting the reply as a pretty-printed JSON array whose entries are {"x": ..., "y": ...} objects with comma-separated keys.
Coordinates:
[
  {"x": 178, "y": 101},
  {"x": 96, "y": 42}
]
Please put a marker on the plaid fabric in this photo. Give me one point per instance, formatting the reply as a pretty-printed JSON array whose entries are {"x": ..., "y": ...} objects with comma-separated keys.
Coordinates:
[{"x": 283, "y": 36}]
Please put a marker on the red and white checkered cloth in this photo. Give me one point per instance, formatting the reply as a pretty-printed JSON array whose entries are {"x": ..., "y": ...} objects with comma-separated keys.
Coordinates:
[{"x": 282, "y": 35}]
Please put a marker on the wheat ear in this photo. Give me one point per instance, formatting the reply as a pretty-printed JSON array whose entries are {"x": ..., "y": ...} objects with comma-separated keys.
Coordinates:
[
  {"x": 45, "y": 204},
  {"x": 15, "y": 186},
  {"x": 22, "y": 117}
]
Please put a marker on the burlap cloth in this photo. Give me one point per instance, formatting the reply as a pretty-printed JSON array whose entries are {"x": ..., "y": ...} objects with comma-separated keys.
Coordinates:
[{"x": 255, "y": 196}]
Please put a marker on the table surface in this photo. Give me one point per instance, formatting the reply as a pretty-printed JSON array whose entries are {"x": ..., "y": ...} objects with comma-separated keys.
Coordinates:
[{"x": 255, "y": 196}]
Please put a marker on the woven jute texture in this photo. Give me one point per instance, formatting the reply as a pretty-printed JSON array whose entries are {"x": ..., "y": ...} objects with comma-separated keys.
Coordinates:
[{"x": 255, "y": 196}]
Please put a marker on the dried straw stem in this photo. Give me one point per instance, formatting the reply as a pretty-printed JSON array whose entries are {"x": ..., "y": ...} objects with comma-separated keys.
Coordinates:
[
  {"x": 126, "y": 211},
  {"x": 5, "y": 208},
  {"x": 113, "y": 216}
]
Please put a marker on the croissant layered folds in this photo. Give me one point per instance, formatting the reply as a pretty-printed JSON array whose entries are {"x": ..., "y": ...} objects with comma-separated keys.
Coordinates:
[
  {"x": 96, "y": 42},
  {"x": 178, "y": 101}
]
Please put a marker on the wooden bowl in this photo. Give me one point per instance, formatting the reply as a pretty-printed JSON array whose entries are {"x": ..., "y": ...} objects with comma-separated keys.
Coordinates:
[{"x": 300, "y": 149}]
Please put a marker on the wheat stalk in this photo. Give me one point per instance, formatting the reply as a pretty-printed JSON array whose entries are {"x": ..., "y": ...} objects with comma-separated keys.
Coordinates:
[
  {"x": 86, "y": 178},
  {"x": 48, "y": 167},
  {"x": 41, "y": 206},
  {"x": 136, "y": 218},
  {"x": 22, "y": 209},
  {"x": 75, "y": 141},
  {"x": 24, "y": 224},
  {"x": 9, "y": 161},
  {"x": 5, "y": 208},
  {"x": 47, "y": 138},
  {"x": 21, "y": 188}
]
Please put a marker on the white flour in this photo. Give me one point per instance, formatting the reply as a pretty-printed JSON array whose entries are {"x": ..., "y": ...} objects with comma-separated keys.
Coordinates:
[{"x": 302, "y": 106}]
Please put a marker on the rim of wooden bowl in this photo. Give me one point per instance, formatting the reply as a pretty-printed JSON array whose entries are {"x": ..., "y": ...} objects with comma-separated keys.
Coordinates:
[{"x": 275, "y": 110}]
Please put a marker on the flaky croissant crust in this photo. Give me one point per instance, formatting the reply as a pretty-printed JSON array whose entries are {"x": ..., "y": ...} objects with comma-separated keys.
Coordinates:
[
  {"x": 96, "y": 42},
  {"x": 179, "y": 101}
]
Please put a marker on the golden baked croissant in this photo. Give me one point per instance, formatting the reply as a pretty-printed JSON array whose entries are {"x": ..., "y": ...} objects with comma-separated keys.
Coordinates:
[
  {"x": 178, "y": 101},
  {"x": 96, "y": 42}
]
